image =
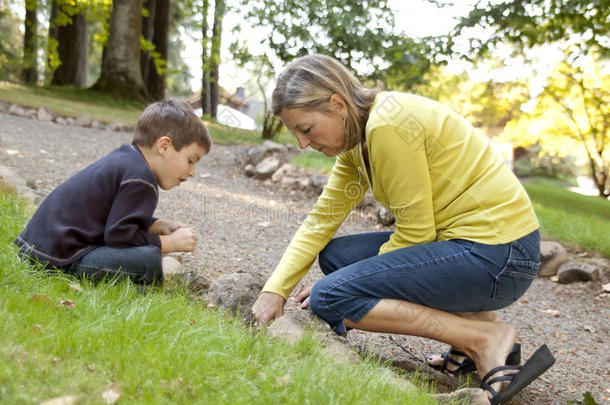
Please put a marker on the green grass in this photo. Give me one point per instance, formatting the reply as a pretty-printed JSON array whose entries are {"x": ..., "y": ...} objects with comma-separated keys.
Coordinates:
[
  {"x": 314, "y": 160},
  {"x": 158, "y": 346},
  {"x": 570, "y": 217}
]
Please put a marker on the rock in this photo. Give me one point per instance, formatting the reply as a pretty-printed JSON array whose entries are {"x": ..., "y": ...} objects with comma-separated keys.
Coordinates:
[
  {"x": 236, "y": 292},
  {"x": 257, "y": 153},
  {"x": 291, "y": 327},
  {"x": 44, "y": 115},
  {"x": 30, "y": 113},
  {"x": 171, "y": 265},
  {"x": 606, "y": 287},
  {"x": 385, "y": 217},
  {"x": 470, "y": 396},
  {"x": 552, "y": 255},
  {"x": 577, "y": 271},
  {"x": 304, "y": 182},
  {"x": 83, "y": 121},
  {"x": 281, "y": 172},
  {"x": 61, "y": 120},
  {"x": 250, "y": 170},
  {"x": 289, "y": 182},
  {"x": 115, "y": 127},
  {"x": 267, "y": 167},
  {"x": 17, "y": 110},
  {"x": 4, "y": 107},
  {"x": 95, "y": 124},
  {"x": 318, "y": 181}
]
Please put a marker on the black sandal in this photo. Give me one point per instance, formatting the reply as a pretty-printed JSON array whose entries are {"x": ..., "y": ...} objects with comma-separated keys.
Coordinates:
[
  {"x": 534, "y": 367},
  {"x": 468, "y": 366}
]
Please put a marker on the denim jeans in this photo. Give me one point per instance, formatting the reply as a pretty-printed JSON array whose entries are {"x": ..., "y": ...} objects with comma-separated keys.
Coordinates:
[
  {"x": 453, "y": 275},
  {"x": 141, "y": 264}
]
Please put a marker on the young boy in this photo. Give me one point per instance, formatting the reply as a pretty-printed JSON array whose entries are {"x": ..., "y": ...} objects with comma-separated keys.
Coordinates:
[{"x": 100, "y": 221}]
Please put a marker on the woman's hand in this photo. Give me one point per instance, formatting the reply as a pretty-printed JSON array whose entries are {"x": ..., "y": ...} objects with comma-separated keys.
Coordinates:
[
  {"x": 303, "y": 296},
  {"x": 268, "y": 307}
]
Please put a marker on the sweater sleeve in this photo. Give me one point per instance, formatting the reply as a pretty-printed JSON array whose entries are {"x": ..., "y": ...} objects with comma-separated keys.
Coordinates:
[
  {"x": 402, "y": 170},
  {"x": 341, "y": 194},
  {"x": 130, "y": 216}
]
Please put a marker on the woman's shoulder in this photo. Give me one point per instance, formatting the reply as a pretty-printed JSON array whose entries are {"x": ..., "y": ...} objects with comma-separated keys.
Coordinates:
[{"x": 393, "y": 108}]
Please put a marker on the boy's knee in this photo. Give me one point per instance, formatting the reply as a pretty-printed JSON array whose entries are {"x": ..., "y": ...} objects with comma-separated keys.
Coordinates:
[{"x": 152, "y": 264}]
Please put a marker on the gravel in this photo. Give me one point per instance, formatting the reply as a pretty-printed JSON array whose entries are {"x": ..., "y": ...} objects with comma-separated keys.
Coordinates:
[{"x": 245, "y": 224}]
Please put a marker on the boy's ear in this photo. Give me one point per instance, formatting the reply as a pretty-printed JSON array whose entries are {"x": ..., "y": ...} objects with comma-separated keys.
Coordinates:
[{"x": 162, "y": 144}]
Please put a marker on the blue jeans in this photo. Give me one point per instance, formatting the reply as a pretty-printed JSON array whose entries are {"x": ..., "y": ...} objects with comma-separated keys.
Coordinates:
[
  {"x": 453, "y": 276},
  {"x": 141, "y": 264}
]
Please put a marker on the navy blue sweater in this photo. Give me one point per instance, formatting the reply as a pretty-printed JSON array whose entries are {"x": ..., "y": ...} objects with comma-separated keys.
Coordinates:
[{"x": 109, "y": 203}]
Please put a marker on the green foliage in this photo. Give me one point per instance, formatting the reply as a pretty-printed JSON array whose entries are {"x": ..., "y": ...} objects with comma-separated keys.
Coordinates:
[
  {"x": 547, "y": 165},
  {"x": 314, "y": 160},
  {"x": 528, "y": 23},
  {"x": 11, "y": 43},
  {"x": 157, "y": 346},
  {"x": 359, "y": 34},
  {"x": 571, "y": 217},
  {"x": 587, "y": 399}
]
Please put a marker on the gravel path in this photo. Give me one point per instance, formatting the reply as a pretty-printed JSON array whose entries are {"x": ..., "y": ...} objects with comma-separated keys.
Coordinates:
[{"x": 245, "y": 225}]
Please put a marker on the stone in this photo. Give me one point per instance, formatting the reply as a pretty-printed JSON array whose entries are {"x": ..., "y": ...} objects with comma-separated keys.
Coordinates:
[
  {"x": 31, "y": 113},
  {"x": 470, "y": 396},
  {"x": 61, "y": 120},
  {"x": 257, "y": 153},
  {"x": 575, "y": 270},
  {"x": 4, "y": 107},
  {"x": 267, "y": 167},
  {"x": 44, "y": 115},
  {"x": 115, "y": 127},
  {"x": 236, "y": 292},
  {"x": 318, "y": 181},
  {"x": 552, "y": 255},
  {"x": 250, "y": 170},
  {"x": 281, "y": 172},
  {"x": 83, "y": 121},
  {"x": 385, "y": 217},
  {"x": 304, "y": 182},
  {"x": 171, "y": 265},
  {"x": 95, "y": 124},
  {"x": 293, "y": 325},
  {"x": 17, "y": 110},
  {"x": 289, "y": 182}
]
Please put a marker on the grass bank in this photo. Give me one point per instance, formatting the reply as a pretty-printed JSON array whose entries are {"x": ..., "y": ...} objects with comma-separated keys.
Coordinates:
[
  {"x": 571, "y": 217},
  {"x": 63, "y": 337}
]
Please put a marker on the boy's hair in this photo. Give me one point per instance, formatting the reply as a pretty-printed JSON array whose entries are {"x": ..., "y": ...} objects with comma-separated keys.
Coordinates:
[
  {"x": 174, "y": 119},
  {"x": 309, "y": 81}
]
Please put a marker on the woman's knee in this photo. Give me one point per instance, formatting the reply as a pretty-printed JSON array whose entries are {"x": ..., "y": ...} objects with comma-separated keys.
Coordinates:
[
  {"x": 317, "y": 299},
  {"x": 326, "y": 260}
]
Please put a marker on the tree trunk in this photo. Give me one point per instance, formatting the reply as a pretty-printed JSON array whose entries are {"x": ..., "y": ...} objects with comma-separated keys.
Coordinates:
[
  {"x": 73, "y": 42},
  {"x": 148, "y": 29},
  {"x": 219, "y": 11},
  {"x": 205, "y": 60},
  {"x": 121, "y": 72},
  {"x": 29, "y": 74},
  {"x": 156, "y": 82}
]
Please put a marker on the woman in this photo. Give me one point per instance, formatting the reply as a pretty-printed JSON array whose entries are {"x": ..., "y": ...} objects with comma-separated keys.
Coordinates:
[{"x": 466, "y": 241}]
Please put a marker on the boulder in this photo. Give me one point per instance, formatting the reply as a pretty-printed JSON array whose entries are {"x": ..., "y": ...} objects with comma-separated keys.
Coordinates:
[
  {"x": 171, "y": 265},
  {"x": 83, "y": 121},
  {"x": 236, "y": 292},
  {"x": 250, "y": 170},
  {"x": 17, "y": 110},
  {"x": 468, "y": 396},
  {"x": 4, "y": 107},
  {"x": 266, "y": 168},
  {"x": 385, "y": 217},
  {"x": 95, "y": 124},
  {"x": 552, "y": 255},
  {"x": 575, "y": 270},
  {"x": 44, "y": 115},
  {"x": 318, "y": 181},
  {"x": 257, "y": 153},
  {"x": 285, "y": 169}
]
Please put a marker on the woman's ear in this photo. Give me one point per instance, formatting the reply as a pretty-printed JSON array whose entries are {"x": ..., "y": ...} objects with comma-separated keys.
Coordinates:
[{"x": 338, "y": 103}]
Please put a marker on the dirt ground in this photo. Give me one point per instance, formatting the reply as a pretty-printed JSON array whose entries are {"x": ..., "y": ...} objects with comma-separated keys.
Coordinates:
[{"x": 245, "y": 225}]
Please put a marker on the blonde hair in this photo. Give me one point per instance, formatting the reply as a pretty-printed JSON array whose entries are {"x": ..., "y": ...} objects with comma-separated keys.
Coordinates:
[{"x": 309, "y": 82}]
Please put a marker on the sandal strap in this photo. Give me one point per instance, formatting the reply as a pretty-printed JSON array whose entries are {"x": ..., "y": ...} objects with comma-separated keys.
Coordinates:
[{"x": 497, "y": 369}]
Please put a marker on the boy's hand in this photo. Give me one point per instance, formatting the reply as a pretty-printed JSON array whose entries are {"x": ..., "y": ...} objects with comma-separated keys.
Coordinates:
[
  {"x": 162, "y": 227},
  {"x": 181, "y": 240}
]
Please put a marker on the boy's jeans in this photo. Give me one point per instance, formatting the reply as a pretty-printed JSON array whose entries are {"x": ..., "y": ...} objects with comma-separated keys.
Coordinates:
[
  {"x": 452, "y": 276},
  {"x": 142, "y": 264}
]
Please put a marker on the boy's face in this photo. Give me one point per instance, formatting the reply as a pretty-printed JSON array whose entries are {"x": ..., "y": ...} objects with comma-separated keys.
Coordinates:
[{"x": 177, "y": 166}]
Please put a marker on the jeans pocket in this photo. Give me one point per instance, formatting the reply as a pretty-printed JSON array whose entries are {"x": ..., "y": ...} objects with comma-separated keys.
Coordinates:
[{"x": 516, "y": 277}]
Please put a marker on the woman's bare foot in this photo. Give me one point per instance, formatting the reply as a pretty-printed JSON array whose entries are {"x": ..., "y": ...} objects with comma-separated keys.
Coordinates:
[{"x": 492, "y": 352}]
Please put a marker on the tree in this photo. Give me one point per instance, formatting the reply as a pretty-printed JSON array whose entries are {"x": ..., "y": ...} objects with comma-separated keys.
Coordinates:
[
  {"x": 584, "y": 24},
  {"x": 214, "y": 65},
  {"x": 574, "y": 109},
  {"x": 10, "y": 43},
  {"x": 121, "y": 71},
  {"x": 156, "y": 29},
  {"x": 69, "y": 29},
  {"x": 29, "y": 73},
  {"x": 206, "y": 101}
]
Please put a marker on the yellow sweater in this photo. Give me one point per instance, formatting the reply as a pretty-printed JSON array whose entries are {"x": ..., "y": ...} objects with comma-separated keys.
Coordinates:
[{"x": 429, "y": 167}]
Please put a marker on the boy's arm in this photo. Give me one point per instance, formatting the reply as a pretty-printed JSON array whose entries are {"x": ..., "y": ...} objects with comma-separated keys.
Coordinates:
[
  {"x": 163, "y": 227},
  {"x": 181, "y": 240},
  {"x": 130, "y": 216}
]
